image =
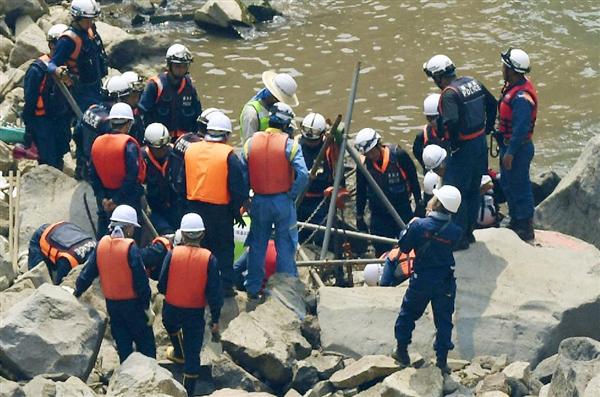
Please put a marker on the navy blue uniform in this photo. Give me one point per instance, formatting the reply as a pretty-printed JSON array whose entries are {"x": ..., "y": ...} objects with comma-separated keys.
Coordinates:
[
  {"x": 46, "y": 114},
  {"x": 160, "y": 197},
  {"x": 176, "y": 170},
  {"x": 94, "y": 123},
  {"x": 433, "y": 280},
  {"x": 127, "y": 318}
]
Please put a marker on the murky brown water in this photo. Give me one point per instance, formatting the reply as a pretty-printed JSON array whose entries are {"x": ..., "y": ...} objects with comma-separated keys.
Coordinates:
[{"x": 320, "y": 41}]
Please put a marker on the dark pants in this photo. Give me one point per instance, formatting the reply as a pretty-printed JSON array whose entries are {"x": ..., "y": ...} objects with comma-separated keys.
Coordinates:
[
  {"x": 191, "y": 323},
  {"x": 382, "y": 224},
  {"x": 218, "y": 222},
  {"x": 437, "y": 286},
  {"x": 165, "y": 221},
  {"x": 516, "y": 183},
  {"x": 463, "y": 171},
  {"x": 51, "y": 136},
  {"x": 128, "y": 326}
]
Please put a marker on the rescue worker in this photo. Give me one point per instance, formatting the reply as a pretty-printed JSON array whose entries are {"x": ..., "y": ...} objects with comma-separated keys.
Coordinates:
[
  {"x": 256, "y": 112},
  {"x": 396, "y": 175},
  {"x": 117, "y": 167},
  {"x": 517, "y": 114},
  {"x": 189, "y": 280},
  {"x": 433, "y": 275},
  {"x": 488, "y": 214},
  {"x": 467, "y": 112},
  {"x": 429, "y": 135},
  {"x": 136, "y": 86},
  {"x": 435, "y": 159},
  {"x": 79, "y": 59},
  {"x": 170, "y": 98},
  {"x": 124, "y": 283},
  {"x": 277, "y": 174},
  {"x": 215, "y": 188},
  {"x": 61, "y": 246},
  {"x": 160, "y": 197},
  {"x": 397, "y": 268},
  {"x": 46, "y": 113},
  {"x": 431, "y": 180}
]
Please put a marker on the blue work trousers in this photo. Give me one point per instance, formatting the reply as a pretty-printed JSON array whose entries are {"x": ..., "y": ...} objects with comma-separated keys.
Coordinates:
[
  {"x": 87, "y": 94},
  {"x": 165, "y": 221},
  {"x": 128, "y": 326},
  {"x": 437, "y": 286},
  {"x": 191, "y": 323},
  {"x": 516, "y": 183},
  {"x": 464, "y": 169},
  {"x": 51, "y": 136},
  {"x": 266, "y": 212}
]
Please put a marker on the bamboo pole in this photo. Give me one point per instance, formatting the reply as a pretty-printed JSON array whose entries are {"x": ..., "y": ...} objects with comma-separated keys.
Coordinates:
[
  {"x": 11, "y": 227},
  {"x": 316, "y": 278},
  {"x": 350, "y": 233},
  {"x": 15, "y": 259}
]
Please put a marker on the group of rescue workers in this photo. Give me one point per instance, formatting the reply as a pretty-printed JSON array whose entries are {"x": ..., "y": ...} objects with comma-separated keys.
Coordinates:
[{"x": 153, "y": 144}]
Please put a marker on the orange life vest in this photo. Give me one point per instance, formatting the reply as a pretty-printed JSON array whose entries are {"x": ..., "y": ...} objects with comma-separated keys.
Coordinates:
[
  {"x": 405, "y": 261},
  {"x": 40, "y": 108},
  {"x": 108, "y": 157},
  {"x": 73, "y": 244},
  {"x": 429, "y": 134},
  {"x": 188, "y": 275},
  {"x": 72, "y": 61},
  {"x": 116, "y": 279},
  {"x": 270, "y": 171},
  {"x": 385, "y": 162},
  {"x": 206, "y": 172},
  {"x": 505, "y": 107}
]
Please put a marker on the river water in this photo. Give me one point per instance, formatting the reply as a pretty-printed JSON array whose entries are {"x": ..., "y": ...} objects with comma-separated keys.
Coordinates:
[{"x": 319, "y": 42}]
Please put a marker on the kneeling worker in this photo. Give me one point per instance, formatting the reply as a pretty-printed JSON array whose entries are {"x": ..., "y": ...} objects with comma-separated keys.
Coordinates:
[
  {"x": 189, "y": 280},
  {"x": 124, "y": 283},
  {"x": 62, "y": 246}
]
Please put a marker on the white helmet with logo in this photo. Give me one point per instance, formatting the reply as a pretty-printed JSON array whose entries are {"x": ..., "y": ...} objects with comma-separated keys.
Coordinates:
[
  {"x": 178, "y": 53},
  {"x": 439, "y": 65},
  {"x": 313, "y": 126},
  {"x": 449, "y": 196},
  {"x": 516, "y": 59},
  {"x": 85, "y": 9},
  {"x": 55, "y": 31},
  {"x": 156, "y": 135},
  {"x": 366, "y": 139},
  {"x": 430, "y": 105},
  {"x": 433, "y": 156}
]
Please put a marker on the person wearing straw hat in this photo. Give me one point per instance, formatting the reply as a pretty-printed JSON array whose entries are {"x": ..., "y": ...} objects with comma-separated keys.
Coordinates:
[
  {"x": 279, "y": 87},
  {"x": 124, "y": 283}
]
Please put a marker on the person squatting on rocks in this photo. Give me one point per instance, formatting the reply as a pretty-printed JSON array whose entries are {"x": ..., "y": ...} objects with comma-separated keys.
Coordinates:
[
  {"x": 189, "y": 280},
  {"x": 277, "y": 173},
  {"x": 432, "y": 238},
  {"x": 467, "y": 112},
  {"x": 46, "y": 113},
  {"x": 395, "y": 173},
  {"x": 517, "y": 112},
  {"x": 124, "y": 283},
  {"x": 170, "y": 98},
  {"x": 429, "y": 135}
]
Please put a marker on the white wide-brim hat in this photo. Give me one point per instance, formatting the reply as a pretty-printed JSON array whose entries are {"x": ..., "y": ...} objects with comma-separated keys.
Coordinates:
[{"x": 289, "y": 98}]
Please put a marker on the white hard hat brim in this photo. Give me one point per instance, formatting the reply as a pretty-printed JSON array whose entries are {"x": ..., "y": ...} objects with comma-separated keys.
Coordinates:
[
  {"x": 125, "y": 221},
  {"x": 193, "y": 230},
  {"x": 268, "y": 79}
]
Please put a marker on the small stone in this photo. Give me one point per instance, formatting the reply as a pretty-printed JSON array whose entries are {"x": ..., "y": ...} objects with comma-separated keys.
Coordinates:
[
  {"x": 457, "y": 364},
  {"x": 364, "y": 370}
]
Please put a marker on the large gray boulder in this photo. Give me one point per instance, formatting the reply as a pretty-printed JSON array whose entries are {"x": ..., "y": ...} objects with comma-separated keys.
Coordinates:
[
  {"x": 15, "y": 293},
  {"x": 55, "y": 15},
  {"x": 574, "y": 206},
  {"x": 30, "y": 43},
  {"x": 47, "y": 196},
  {"x": 223, "y": 15},
  {"x": 513, "y": 299},
  {"x": 366, "y": 369},
  {"x": 225, "y": 373},
  {"x": 414, "y": 382},
  {"x": 142, "y": 376},
  {"x": 33, "y": 8},
  {"x": 50, "y": 332},
  {"x": 578, "y": 363},
  {"x": 10, "y": 80}
]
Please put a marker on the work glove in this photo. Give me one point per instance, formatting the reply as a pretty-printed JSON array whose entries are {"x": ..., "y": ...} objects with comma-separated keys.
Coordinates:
[
  {"x": 361, "y": 225},
  {"x": 149, "y": 316}
]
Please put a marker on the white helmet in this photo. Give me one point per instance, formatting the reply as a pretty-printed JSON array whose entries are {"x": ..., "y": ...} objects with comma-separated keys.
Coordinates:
[
  {"x": 55, "y": 31},
  {"x": 178, "y": 53},
  {"x": 207, "y": 114},
  {"x": 516, "y": 59},
  {"x": 117, "y": 87},
  {"x": 120, "y": 111},
  {"x": 282, "y": 86},
  {"x": 218, "y": 126},
  {"x": 430, "y": 181},
  {"x": 430, "y": 105},
  {"x": 449, "y": 196},
  {"x": 485, "y": 179},
  {"x": 433, "y": 156},
  {"x": 125, "y": 214},
  {"x": 439, "y": 65},
  {"x": 313, "y": 126},
  {"x": 372, "y": 274},
  {"x": 366, "y": 139},
  {"x": 192, "y": 222},
  {"x": 134, "y": 80},
  {"x": 85, "y": 9},
  {"x": 156, "y": 135}
]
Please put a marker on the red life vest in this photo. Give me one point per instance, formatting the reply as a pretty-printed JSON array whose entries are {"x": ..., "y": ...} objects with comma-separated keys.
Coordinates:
[
  {"x": 116, "y": 279},
  {"x": 72, "y": 61},
  {"x": 405, "y": 261},
  {"x": 108, "y": 157},
  {"x": 206, "y": 172},
  {"x": 505, "y": 107},
  {"x": 268, "y": 166},
  {"x": 188, "y": 275},
  {"x": 270, "y": 260}
]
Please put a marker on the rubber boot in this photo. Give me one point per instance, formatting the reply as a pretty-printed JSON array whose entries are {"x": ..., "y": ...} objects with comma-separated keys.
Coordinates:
[
  {"x": 189, "y": 383},
  {"x": 524, "y": 229},
  {"x": 402, "y": 355},
  {"x": 175, "y": 353},
  {"x": 442, "y": 363}
]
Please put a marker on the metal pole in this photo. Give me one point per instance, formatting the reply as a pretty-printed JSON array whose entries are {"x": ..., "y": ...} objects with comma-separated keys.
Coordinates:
[
  {"x": 65, "y": 91},
  {"x": 339, "y": 167},
  {"x": 337, "y": 262},
  {"x": 356, "y": 157},
  {"x": 350, "y": 233}
]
